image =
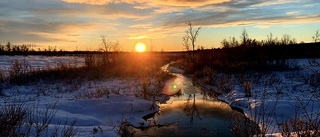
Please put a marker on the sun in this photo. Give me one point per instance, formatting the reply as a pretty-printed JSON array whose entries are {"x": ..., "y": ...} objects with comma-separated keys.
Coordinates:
[{"x": 140, "y": 47}]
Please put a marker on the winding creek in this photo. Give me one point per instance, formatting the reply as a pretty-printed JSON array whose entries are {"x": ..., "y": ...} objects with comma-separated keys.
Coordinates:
[{"x": 189, "y": 112}]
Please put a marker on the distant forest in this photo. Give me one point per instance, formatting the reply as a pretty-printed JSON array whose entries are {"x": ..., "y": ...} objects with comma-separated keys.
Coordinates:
[
  {"x": 245, "y": 49},
  {"x": 27, "y": 49}
]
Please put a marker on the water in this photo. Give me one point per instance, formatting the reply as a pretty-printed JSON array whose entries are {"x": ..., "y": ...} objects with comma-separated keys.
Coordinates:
[{"x": 189, "y": 113}]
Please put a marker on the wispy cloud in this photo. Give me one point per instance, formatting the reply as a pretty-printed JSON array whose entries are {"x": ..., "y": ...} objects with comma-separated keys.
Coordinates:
[
  {"x": 92, "y": 2},
  {"x": 139, "y": 37},
  {"x": 141, "y": 26},
  {"x": 293, "y": 12},
  {"x": 187, "y": 3},
  {"x": 190, "y": 3},
  {"x": 76, "y": 20}
]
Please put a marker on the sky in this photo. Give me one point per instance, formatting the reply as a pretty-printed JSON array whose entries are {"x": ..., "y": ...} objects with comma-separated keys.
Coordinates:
[{"x": 160, "y": 24}]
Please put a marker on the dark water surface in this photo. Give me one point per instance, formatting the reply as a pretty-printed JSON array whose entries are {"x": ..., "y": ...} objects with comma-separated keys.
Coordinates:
[
  {"x": 192, "y": 118},
  {"x": 191, "y": 114}
]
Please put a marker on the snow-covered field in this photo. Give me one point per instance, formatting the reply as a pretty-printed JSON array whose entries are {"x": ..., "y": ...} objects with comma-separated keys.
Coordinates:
[
  {"x": 41, "y": 62},
  {"x": 275, "y": 99},
  {"x": 93, "y": 116}
]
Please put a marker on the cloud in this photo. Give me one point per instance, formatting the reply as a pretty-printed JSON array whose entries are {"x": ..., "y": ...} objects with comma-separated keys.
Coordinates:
[
  {"x": 274, "y": 2},
  {"x": 141, "y": 26},
  {"x": 238, "y": 13},
  {"x": 139, "y": 37},
  {"x": 73, "y": 35},
  {"x": 75, "y": 20},
  {"x": 263, "y": 26},
  {"x": 190, "y": 3},
  {"x": 91, "y": 2},
  {"x": 293, "y": 12},
  {"x": 187, "y": 3}
]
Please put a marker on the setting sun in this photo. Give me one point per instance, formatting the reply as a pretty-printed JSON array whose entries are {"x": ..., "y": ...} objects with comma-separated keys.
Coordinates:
[{"x": 140, "y": 47}]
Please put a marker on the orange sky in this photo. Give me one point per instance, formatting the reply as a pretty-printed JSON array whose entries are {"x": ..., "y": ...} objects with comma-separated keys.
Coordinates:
[{"x": 160, "y": 24}]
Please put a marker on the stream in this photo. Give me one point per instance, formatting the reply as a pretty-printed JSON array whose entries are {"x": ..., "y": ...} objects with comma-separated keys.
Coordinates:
[{"x": 190, "y": 113}]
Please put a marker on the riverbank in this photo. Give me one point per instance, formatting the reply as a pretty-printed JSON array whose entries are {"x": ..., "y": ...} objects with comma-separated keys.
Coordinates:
[
  {"x": 278, "y": 101},
  {"x": 101, "y": 107},
  {"x": 189, "y": 112}
]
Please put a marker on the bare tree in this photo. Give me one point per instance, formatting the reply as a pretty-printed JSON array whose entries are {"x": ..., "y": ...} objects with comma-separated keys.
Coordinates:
[
  {"x": 192, "y": 34},
  {"x": 190, "y": 38},
  {"x": 286, "y": 40},
  {"x": 270, "y": 40},
  {"x": 233, "y": 42},
  {"x": 107, "y": 47},
  {"x": 8, "y": 46},
  {"x": 244, "y": 38},
  {"x": 316, "y": 37}
]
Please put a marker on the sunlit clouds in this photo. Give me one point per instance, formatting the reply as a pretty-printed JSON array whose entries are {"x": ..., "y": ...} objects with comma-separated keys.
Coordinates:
[
  {"x": 71, "y": 24},
  {"x": 154, "y": 2},
  {"x": 93, "y": 2},
  {"x": 293, "y": 12}
]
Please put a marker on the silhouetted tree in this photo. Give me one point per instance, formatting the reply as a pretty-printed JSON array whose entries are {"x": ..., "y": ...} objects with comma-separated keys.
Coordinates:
[
  {"x": 270, "y": 40},
  {"x": 287, "y": 40},
  {"x": 190, "y": 38},
  {"x": 1, "y": 48},
  {"x": 244, "y": 38},
  {"x": 107, "y": 47},
  {"x": 192, "y": 34},
  {"x": 8, "y": 46},
  {"x": 316, "y": 37},
  {"x": 233, "y": 42}
]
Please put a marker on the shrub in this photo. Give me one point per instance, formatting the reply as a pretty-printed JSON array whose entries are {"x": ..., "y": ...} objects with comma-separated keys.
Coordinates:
[
  {"x": 19, "y": 120},
  {"x": 306, "y": 120},
  {"x": 89, "y": 60},
  {"x": 247, "y": 88},
  {"x": 2, "y": 76},
  {"x": 98, "y": 93},
  {"x": 12, "y": 117},
  {"x": 225, "y": 84},
  {"x": 18, "y": 71},
  {"x": 1, "y": 91}
]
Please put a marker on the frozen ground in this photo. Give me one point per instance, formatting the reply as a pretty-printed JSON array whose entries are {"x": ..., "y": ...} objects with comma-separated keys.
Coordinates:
[
  {"x": 41, "y": 62},
  {"x": 275, "y": 102},
  {"x": 105, "y": 114},
  {"x": 278, "y": 98}
]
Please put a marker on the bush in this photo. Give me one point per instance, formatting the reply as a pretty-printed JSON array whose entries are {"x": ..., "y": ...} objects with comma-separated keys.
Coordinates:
[
  {"x": 12, "y": 117},
  {"x": 247, "y": 88},
  {"x": 98, "y": 93},
  {"x": 19, "y": 120}
]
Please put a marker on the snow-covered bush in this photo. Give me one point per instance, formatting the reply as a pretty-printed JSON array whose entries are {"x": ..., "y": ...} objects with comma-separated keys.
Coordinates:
[
  {"x": 98, "y": 93},
  {"x": 17, "y": 119},
  {"x": 12, "y": 118}
]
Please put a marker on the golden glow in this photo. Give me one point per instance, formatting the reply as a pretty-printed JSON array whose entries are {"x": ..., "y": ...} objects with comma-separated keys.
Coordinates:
[{"x": 140, "y": 47}]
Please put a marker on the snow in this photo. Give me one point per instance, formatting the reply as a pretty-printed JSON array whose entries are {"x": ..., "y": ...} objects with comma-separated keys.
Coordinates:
[
  {"x": 106, "y": 112},
  {"x": 280, "y": 99},
  {"x": 41, "y": 62}
]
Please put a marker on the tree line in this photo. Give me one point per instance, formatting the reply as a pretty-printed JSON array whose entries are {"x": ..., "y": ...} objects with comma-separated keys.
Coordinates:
[{"x": 247, "y": 53}]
